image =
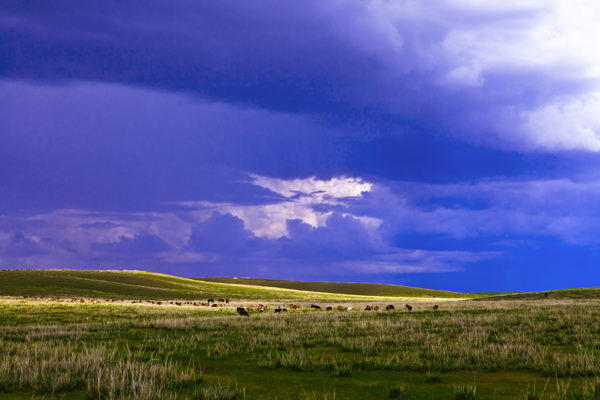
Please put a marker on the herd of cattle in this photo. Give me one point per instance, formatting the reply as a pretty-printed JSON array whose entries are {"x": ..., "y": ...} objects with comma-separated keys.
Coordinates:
[{"x": 242, "y": 311}]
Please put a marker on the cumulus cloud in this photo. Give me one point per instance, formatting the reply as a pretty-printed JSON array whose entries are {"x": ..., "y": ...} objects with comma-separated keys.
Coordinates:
[
  {"x": 340, "y": 236},
  {"x": 209, "y": 235}
]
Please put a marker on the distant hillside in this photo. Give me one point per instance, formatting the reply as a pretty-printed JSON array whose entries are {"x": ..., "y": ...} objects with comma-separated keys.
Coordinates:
[
  {"x": 146, "y": 286},
  {"x": 561, "y": 294},
  {"x": 358, "y": 289}
]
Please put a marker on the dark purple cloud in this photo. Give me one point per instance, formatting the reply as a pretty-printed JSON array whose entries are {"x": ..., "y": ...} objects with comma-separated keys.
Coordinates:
[
  {"x": 448, "y": 144},
  {"x": 476, "y": 72}
]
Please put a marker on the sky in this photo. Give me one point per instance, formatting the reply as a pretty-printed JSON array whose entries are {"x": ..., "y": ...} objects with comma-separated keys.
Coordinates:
[{"x": 452, "y": 144}]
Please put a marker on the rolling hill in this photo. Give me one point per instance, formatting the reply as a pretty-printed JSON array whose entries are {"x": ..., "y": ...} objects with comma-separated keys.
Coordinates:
[
  {"x": 358, "y": 289},
  {"x": 147, "y": 286},
  {"x": 560, "y": 294}
]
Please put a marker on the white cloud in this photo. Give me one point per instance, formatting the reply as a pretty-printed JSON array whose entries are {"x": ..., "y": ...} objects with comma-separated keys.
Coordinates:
[
  {"x": 303, "y": 194},
  {"x": 566, "y": 124}
]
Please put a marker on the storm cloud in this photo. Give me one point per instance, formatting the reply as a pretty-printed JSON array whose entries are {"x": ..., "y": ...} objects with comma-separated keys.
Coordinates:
[{"x": 377, "y": 141}]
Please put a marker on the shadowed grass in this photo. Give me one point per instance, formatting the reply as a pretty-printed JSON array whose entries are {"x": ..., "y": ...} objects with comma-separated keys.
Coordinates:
[
  {"x": 360, "y": 289},
  {"x": 561, "y": 294},
  {"x": 153, "y": 286}
]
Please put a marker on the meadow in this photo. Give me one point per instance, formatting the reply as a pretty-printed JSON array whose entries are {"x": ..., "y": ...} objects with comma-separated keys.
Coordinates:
[{"x": 536, "y": 349}]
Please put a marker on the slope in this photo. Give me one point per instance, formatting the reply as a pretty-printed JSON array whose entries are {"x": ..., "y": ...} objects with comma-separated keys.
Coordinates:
[
  {"x": 358, "y": 289},
  {"x": 147, "y": 286}
]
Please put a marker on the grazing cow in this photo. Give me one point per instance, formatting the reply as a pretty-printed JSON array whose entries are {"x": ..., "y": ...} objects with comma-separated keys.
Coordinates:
[
  {"x": 159, "y": 303},
  {"x": 408, "y": 308},
  {"x": 317, "y": 307},
  {"x": 227, "y": 301},
  {"x": 375, "y": 308},
  {"x": 368, "y": 308},
  {"x": 178, "y": 303},
  {"x": 243, "y": 313},
  {"x": 284, "y": 310},
  {"x": 210, "y": 301},
  {"x": 329, "y": 308},
  {"x": 341, "y": 308},
  {"x": 221, "y": 300},
  {"x": 250, "y": 309},
  {"x": 214, "y": 305},
  {"x": 436, "y": 307},
  {"x": 390, "y": 307},
  {"x": 241, "y": 309},
  {"x": 277, "y": 310}
]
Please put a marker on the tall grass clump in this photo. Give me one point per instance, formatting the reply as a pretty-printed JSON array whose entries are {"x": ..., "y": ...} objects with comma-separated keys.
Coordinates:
[
  {"x": 396, "y": 390},
  {"x": 433, "y": 378},
  {"x": 221, "y": 393},
  {"x": 465, "y": 392}
]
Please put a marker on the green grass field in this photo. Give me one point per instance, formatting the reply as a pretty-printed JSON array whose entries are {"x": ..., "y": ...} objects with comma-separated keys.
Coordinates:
[
  {"x": 533, "y": 348},
  {"x": 152, "y": 286},
  {"x": 359, "y": 289},
  {"x": 561, "y": 294}
]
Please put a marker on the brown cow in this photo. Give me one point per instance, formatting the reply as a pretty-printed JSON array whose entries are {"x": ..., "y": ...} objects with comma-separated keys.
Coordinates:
[
  {"x": 249, "y": 309},
  {"x": 341, "y": 308},
  {"x": 368, "y": 308},
  {"x": 375, "y": 308},
  {"x": 329, "y": 308},
  {"x": 408, "y": 308},
  {"x": 436, "y": 307},
  {"x": 221, "y": 300},
  {"x": 285, "y": 310},
  {"x": 390, "y": 307}
]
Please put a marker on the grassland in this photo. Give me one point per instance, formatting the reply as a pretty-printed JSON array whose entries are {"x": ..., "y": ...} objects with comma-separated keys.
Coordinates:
[
  {"x": 152, "y": 286},
  {"x": 344, "y": 288},
  {"x": 532, "y": 348},
  {"x": 73, "y": 350},
  {"x": 359, "y": 289},
  {"x": 561, "y": 294}
]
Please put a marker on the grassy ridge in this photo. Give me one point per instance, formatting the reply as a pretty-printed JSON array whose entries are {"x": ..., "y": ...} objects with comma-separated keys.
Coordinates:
[
  {"x": 560, "y": 294},
  {"x": 148, "y": 286},
  {"x": 359, "y": 289}
]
